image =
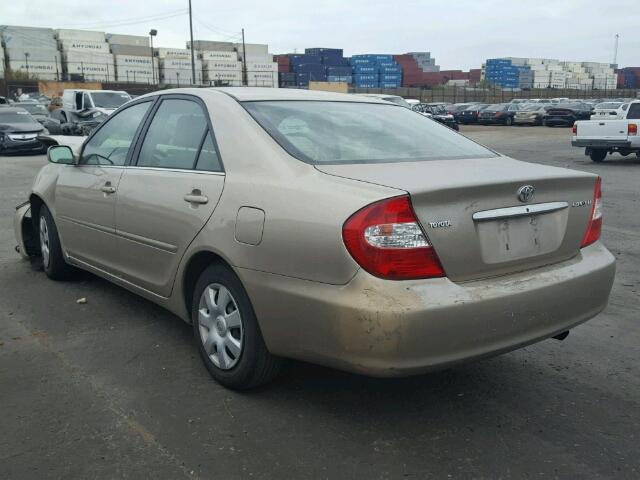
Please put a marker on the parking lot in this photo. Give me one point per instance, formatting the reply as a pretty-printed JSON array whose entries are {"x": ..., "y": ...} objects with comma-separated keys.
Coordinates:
[{"x": 114, "y": 388}]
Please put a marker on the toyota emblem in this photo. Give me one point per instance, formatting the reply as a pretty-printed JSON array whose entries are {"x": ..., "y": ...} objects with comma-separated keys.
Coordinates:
[{"x": 525, "y": 193}]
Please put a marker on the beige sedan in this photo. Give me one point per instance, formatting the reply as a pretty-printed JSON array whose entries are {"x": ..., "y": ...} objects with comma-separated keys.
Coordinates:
[{"x": 336, "y": 229}]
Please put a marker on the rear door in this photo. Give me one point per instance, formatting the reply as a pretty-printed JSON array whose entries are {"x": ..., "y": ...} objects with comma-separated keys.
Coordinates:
[
  {"x": 86, "y": 193},
  {"x": 168, "y": 193}
]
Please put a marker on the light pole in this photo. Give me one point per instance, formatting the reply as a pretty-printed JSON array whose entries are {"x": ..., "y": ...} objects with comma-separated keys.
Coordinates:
[
  {"x": 193, "y": 58},
  {"x": 152, "y": 33},
  {"x": 26, "y": 60}
]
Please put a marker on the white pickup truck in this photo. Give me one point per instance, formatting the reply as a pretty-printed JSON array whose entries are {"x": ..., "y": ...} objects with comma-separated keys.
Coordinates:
[{"x": 601, "y": 137}]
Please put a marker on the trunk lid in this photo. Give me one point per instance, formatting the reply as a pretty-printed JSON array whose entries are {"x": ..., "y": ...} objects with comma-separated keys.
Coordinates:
[
  {"x": 602, "y": 129},
  {"x": 460, "y": 205}
]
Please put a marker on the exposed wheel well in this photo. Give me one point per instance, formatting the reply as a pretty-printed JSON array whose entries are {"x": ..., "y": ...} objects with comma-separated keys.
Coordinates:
[
  {"x": 197, "y": 264},
  {"x": 36, "y": 205}
]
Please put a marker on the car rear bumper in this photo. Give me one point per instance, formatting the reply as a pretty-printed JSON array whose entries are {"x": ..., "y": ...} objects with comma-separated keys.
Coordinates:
[
  {"x": 393, "y": 328},
  {"x": 595, "y": 143}
]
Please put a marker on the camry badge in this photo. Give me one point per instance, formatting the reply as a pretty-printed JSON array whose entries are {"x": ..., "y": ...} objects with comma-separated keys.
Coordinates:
[{"x": 525, "y": 193}]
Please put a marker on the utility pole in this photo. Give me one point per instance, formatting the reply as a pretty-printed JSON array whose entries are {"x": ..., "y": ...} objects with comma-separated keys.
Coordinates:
[
  {"x": 244, "y": 61},
  {"x": 193, "y": 58},
  {"x": 615, "y": 50},
  {"x": 26, "y": 59}
]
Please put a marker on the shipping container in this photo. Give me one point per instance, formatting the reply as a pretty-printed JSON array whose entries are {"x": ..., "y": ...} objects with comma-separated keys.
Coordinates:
[
  {"x": 34, "y": 54},
  {"x": 133, "y": 69},
  {"x": 218, "y": 55},
  {"x": 232, "y": 78},
  {"x": 28, "y": 37},
  {"x": 178, "y": 53},
  {"x": 339, "y": 71},
  {"x": 340, "y": 78},
  {"x": 364, "y": 69},
  {"x": 221, "y": 65},
  {"x": 133, "y": 50},
  {"x": 38, "y": 70},
  {"x": 130, "y": 40},
  {"x": 324, "y": 51},
  {"x": 211, "y": 45},
  {"x": 262, "y": 67},
  {"x": 177, "y": 71},
  {"x": 80, "y": 35},
  {"x": 262, "y": 79},
  {"x": 83, "y": 46}
]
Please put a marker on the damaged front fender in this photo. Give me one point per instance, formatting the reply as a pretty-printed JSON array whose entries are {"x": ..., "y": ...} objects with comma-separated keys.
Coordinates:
[{"x": 27, "y": 244}]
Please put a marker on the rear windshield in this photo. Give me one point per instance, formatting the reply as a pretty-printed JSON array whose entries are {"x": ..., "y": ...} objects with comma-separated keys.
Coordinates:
[{"x": 344, "y": 132}]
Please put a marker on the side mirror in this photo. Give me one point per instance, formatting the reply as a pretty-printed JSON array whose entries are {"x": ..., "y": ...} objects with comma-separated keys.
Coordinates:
[{"x": 61, "y": 154}]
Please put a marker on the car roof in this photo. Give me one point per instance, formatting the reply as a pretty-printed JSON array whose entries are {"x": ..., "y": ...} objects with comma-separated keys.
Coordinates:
[{"x": 249, "y": 94}]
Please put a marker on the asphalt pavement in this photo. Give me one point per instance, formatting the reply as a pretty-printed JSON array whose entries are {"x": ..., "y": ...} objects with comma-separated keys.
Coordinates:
[{"x": 113, "y": 388}]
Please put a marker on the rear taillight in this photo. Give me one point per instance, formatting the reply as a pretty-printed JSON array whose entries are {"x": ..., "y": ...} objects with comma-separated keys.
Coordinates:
[
  {"x": 574, "y": 129},
  {"x": 386, "y": 240},
  {"x": 595, "y": 221},
  {"x": 632, "y": 129}
]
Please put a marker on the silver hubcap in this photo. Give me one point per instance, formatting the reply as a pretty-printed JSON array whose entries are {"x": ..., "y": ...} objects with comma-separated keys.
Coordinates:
[
  {"x": 44, "y": 241},
  {"x": 220, "y": 325}
]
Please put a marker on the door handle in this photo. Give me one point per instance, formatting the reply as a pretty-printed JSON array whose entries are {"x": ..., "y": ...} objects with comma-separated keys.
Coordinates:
[
  {"x": 196, "y": 196},
  {"x": 107, "y": 188}
]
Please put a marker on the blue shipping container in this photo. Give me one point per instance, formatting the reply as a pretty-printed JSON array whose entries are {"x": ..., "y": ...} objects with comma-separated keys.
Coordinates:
[
  {"x": 396, "y": 69},
  {"x": 316, "y": 68},
  {"x": 365, "y": 78},
  {"x": 391, "y": 78},
  {"x": 365, "y": 69},
  {"x": 338, "y": 78},
  {"x": 335, "y": 62},
  {"x": 302, "y": 59},
  {"x": 390, "y": 84},
  {"x": 367, "y": 85},
  {"x": 363, "y": 61},
  {"x": 324, "y": 51},
  {"x": 339, "y": 71}
]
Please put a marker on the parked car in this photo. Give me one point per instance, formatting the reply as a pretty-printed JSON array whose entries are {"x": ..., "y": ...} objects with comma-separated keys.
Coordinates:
[
  {"x": 4, "y": 101},
  {"x": 397, "y": 99},
  {"x": 349, "y": 231},
  {"x": 438, "y": 113},
  {"x": 499, "y": 113},
  {"x": 601, "y": 137},
  {"x": 609, "y": 110},
  {"x": 470, "y": 114},
  {"x": 104, "y": 101},
  {"x": 530, "y": 114},
  {"x": 565, "y": 114},
  {"x": 19, "y": 132},
  {"x": 40, "y": 113}
]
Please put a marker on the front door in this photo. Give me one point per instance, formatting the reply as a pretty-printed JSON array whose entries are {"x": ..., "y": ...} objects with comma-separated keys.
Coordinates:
[
  {"x": 86, "y": 193},
  {"x": 167, "y": 196}
]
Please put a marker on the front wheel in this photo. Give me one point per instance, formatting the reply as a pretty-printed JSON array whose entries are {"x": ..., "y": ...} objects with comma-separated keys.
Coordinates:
[
  {"x": 227, "y": 332},
  {"x": 53, "y": 261},
  {"x": 508, "y": 122},
  {"x": 597, "y": 154}
]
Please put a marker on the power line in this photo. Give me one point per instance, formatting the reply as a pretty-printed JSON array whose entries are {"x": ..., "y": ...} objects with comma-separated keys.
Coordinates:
[
  {"x": 223, "y": 36},
  {"x": 130, "y": 21}
]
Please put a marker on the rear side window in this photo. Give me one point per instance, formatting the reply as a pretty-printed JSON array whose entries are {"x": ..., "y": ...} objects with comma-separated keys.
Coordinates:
[
  {"x": 349, "y": 132},
  {"x": 174, "y": 136},
  {"x": 110, "y": 145},
  {"x": 634, "y": 111}
]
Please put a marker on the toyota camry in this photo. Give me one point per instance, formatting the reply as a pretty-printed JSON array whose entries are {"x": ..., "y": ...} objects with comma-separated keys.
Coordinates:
[{"x": 332, "y": 228}]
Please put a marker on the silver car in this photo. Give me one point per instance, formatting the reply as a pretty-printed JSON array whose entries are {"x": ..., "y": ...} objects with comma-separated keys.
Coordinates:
[{"x": 332, "y": 228}]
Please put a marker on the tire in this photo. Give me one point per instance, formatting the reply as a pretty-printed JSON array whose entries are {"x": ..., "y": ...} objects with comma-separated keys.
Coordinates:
[
  {"x": 53, "y": 262},
  {"x": 234, "y": 353},
  {"x": 508, "y": 121},
  {"x": 598, "y": 154}
]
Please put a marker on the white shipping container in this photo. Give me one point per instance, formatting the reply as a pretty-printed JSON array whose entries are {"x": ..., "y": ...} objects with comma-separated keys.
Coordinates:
[
  {"x": 176, "y": 76},
  {"x": 233, "y": 78},
  {"x": 262, "y": 79},
  {"x": 218, "y": 55},
  {"x": 253, "y": 49},
  {"x": 179, "y": 64},
  {"x": 173, "y": 53},
  {"x": 262, "y": 67},
  {"x": 257, "y": 58},
  {"x": 134, "y": 61},
  {"x": 40, "y": 70},
  {"x": 28, "y": 37},
  {"x": 85, "y": 35},
  {"x": 131, "y": 40},
  {"x": 540, "y": 84},
  {"x": 221, "y": 65},
  {"x": 84, "y": 46},
  {"x": 97, "y": 72},
  {"x": 35, "y": 54}
]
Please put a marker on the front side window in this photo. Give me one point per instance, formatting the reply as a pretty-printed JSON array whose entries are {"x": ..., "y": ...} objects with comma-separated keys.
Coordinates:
[
  {"x": 110, "y": 145},
  {"x": 174, "y": 136},
  {"x": 345, "y": 132}
]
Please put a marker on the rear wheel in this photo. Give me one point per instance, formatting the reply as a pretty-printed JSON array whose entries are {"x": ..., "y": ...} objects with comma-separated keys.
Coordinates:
[
  {"x": 597, "y": 154},
  {"x": 227, "y": 332},
  {"x": 53, "y": 261}
]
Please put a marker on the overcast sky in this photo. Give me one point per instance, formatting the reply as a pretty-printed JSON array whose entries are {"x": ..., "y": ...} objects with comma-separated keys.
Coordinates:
[{"x": 459, "y": 33}]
